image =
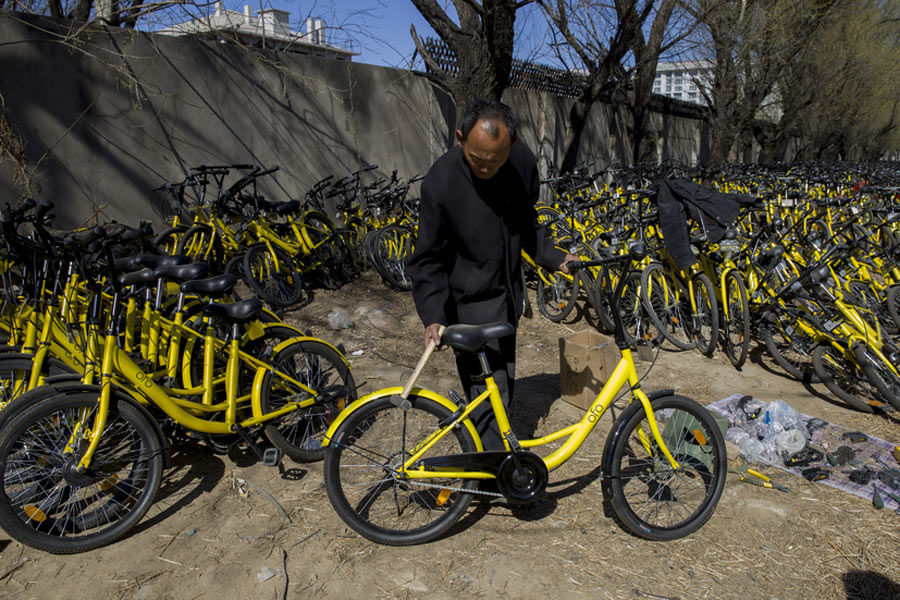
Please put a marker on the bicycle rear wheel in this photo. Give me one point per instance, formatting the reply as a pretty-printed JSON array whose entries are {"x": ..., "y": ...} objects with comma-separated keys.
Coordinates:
[
  {"x": 318, "y": 366},
  {"x": 394, "y": 246},
  {"x": 880, "y": 372},
  {"x": 845, "y": 379},
  {"x": 46, "y": 503},
  {"x": 651, "y": 499},
  {"x": 367, "y": 491},
  {"x": 272, "y": 275}
]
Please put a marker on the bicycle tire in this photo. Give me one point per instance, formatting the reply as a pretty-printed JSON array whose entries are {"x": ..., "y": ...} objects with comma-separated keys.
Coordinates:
[
  {"x": 893, "y": 303},
  {"x": 643, "y": 487},
  {"x": 705, "y": 319},
  {"x": 557, "y": 299},
  {"x": 318, "y": 226},
  {"x": 365, "y": 493},
  {"x": 393, "y": 247},
  {"x": 202, "y": 244},
  {"x": 881, "y": 374},
  {"x": 15, "y": 373},
  {"x": 168, "y": 240},
  {"x": 45, "y": 504},
  {"x": 272, "y": 275},
  {"x": 319, "y": 366},
  {"x": 845, "y": 379},
  {"x": 598, "y": 295},
  {"x": 660, "y": 294},
  {"x": 793, "y": 354},
  {"x": 736, "y": 320},
  {"x": 637, "y": 322}
]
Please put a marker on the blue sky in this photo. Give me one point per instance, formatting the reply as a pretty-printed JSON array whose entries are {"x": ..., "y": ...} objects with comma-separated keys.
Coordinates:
[{"x": 378, "y": 28}]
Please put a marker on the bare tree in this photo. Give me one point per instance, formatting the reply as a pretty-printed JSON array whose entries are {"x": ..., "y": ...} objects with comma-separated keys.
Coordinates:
[
  {"x": 839, "y": 97},
  {"x": 598, "y": 41},
  {"x": 482, "y": 41},
  {"x": 751, "y": 43},
  {"x": 647, "y": 51}
]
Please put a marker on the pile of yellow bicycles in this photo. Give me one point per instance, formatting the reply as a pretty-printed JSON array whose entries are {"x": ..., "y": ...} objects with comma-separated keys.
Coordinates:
[
  {"x": 811, "y": 272},
  {"x": 108, "y": 351}
]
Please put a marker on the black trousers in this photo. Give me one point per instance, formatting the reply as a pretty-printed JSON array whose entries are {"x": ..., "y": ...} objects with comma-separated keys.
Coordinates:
[{"x": 501, "y": 355}]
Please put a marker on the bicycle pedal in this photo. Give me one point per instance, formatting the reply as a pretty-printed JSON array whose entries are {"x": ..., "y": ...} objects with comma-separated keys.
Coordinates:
[{"x": 272, "y": 457}]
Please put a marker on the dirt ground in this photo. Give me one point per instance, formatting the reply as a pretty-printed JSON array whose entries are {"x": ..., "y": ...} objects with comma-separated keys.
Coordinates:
[{"x": 226, "y": 527}]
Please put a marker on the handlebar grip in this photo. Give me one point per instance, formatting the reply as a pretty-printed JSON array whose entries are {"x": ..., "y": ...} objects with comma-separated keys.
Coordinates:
[
  {"x": 89, "y": 236},
  {"x": 137, "y": 234}
]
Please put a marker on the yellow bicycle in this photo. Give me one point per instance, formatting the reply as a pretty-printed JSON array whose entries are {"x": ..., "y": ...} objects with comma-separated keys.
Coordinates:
[{"x": 403, "y": 464}]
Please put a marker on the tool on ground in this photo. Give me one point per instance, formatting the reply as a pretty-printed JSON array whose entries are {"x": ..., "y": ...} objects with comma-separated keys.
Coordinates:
[
  {"x": 815, "y": 474},
  {"x": 815, "y": 424},
  {"x": 841, "y": 456},
  {"x": 857, "y": 437},
  {"x": 802, "y": 458},
  {"x": 754, "y": 477},
  {"x": 877, "y": 500},
  {"x": 860, "y": 476}
]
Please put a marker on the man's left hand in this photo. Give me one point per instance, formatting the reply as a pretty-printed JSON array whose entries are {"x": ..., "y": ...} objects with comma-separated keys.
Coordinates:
[{"x": 564, "y": 267}]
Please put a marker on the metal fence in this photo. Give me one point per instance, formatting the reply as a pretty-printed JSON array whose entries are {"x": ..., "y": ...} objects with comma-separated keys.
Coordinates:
[{"x": 523, "y": 75}]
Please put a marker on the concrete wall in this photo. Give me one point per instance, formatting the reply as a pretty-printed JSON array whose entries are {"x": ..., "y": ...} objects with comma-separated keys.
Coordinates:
[{"x": 104, "y": 120}]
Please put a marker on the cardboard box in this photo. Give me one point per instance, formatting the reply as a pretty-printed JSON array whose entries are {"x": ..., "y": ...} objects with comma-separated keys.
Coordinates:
[{"x": 586, "y": 359}]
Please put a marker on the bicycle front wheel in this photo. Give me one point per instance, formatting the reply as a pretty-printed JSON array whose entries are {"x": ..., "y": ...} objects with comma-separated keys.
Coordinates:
[
  {"x": 369, "y": 493},
  {"x": 321, "y": 368},
  {"x": 650, "y": 498},
  {"x": 46, "y": 503},
  {"x": 661, "y": 296},
  {"x": 705, "y": 317},
  {"x": 556, "y": 294},
  {"x": 736, "y": 319}
]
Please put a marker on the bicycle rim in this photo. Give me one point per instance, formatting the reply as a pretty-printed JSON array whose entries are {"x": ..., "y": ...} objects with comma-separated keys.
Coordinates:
[
  {"x": 652, "y": 500},
  {"x": 705, "y": 318},
  {"x": 316, "y": 365},
  {"x": 737, "y": 319},
  {"x": 844, "y": 379},
  {"x": 361, "y": 477},
  {"x": 46, "y": 504},
  {"x": 661, "y": 297}
]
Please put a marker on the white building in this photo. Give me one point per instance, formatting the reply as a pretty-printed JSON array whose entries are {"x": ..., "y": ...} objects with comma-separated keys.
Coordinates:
[
  {"x": 684, "y": 80},
  {"x": 270, "y": 28}
]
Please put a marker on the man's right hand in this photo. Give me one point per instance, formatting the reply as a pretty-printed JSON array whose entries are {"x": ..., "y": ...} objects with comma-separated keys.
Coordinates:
[{"x": 433, "y": 333}]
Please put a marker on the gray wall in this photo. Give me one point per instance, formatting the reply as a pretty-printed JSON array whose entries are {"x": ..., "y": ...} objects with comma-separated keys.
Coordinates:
[{"x": 104, "y": 120}]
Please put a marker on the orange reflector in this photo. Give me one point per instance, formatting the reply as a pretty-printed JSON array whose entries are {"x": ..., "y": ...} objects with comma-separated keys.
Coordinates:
[
  {"x": 35, "y": 514},
  {"x": 109, "y": 483},
  {"x": 443, "y": 497},
  {"x": 341, "y": 404},
  {"x": 698, "y": 435}
]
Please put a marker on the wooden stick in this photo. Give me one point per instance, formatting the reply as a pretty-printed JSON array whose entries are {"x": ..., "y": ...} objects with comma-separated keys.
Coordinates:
[{"x": 429, "y": 350}]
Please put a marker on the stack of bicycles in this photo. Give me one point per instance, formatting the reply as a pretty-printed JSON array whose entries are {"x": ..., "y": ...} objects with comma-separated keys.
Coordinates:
[
  {"x": 109, "y": 352},
  {"x": 754, "y": 282}
]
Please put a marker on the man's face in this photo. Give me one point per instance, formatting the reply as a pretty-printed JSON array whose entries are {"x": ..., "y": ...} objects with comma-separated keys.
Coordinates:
[{"x": 486, "y": 153}]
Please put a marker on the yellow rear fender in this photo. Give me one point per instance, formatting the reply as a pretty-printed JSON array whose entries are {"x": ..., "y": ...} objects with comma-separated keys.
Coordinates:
[{"x": 394, "y": 391}]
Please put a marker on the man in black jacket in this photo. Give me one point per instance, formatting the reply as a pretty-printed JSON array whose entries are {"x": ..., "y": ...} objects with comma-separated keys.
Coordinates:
[{"x": 476, "y": 215}]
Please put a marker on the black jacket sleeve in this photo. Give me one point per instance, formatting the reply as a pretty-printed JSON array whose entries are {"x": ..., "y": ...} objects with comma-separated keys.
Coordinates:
[{"x": 431, "y": 262}]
